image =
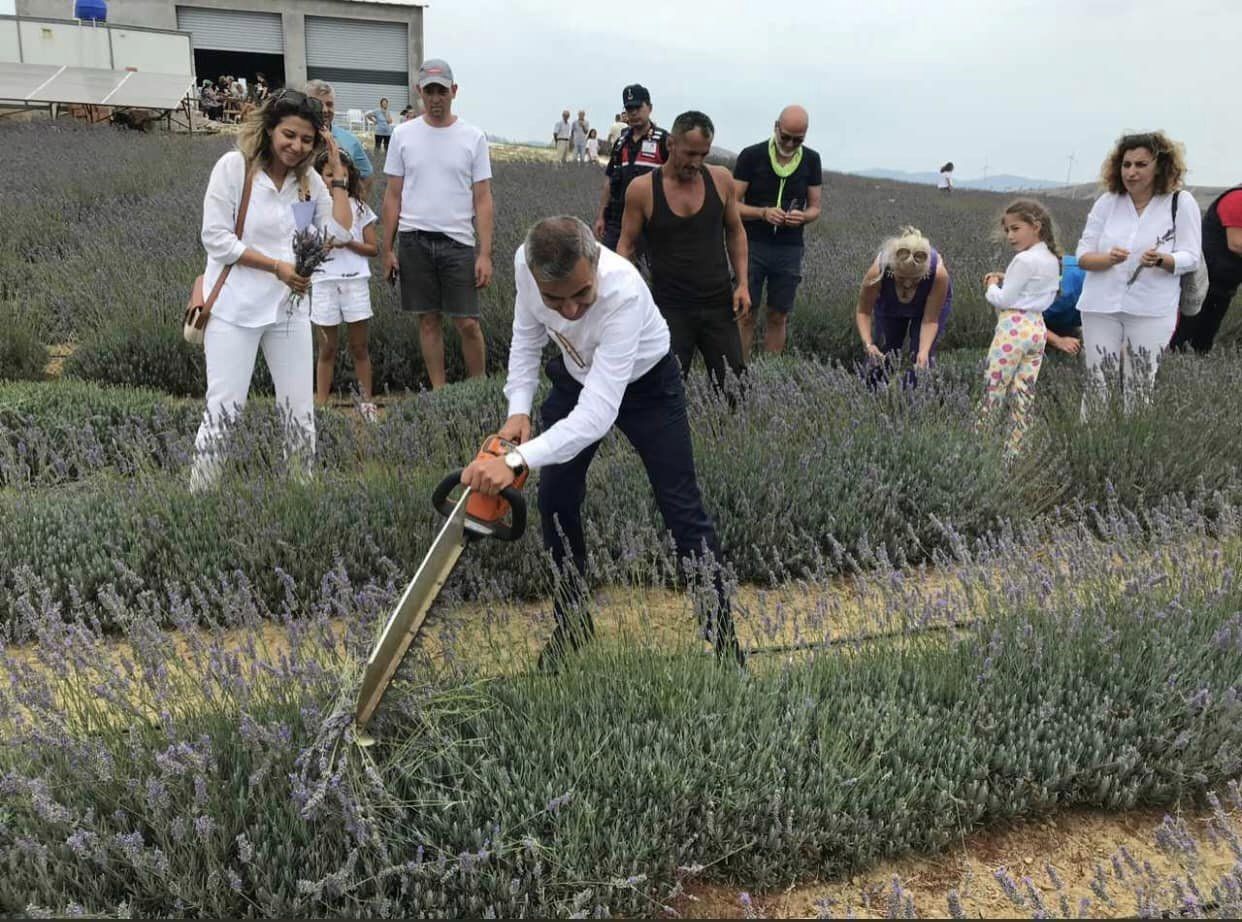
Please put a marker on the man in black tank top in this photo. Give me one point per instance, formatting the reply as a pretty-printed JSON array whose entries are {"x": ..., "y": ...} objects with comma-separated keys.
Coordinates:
[{"x": 687, "y": 211}]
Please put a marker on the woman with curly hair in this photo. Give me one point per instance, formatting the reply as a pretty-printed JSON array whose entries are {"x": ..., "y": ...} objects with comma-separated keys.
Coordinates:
[
  {"x": 260, "y": 304},
  {"x": 1141, "y": 235}
]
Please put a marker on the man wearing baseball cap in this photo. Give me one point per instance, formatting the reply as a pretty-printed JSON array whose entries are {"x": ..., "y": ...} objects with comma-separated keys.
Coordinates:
[
  {"x": 641, "y": 148},
  {"x": 439, "y": 190}
]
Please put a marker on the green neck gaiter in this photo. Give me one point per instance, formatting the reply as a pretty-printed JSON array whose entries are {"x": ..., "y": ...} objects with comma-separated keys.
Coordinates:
[{"x": 783, "y": 170}]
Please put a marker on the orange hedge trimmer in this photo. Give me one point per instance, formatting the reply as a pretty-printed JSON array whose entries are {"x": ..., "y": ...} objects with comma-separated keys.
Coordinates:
[{"x": 470, "y": 517}]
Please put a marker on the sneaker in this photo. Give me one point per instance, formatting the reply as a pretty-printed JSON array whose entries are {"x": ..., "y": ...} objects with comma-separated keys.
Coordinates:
[{"x": 369, "y": 412}]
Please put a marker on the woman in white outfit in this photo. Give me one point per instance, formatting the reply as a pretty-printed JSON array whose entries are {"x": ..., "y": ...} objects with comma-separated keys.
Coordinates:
[
  {"x": 257, "y": 308},
  {"x": 1134, "y": 253}
]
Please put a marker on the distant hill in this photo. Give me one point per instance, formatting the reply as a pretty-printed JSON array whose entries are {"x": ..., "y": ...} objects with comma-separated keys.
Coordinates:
[{"x": 1003, "y": 182}]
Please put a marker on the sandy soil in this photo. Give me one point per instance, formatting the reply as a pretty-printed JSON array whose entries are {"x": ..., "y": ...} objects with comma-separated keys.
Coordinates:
[{"x": 1072, "y": 844}]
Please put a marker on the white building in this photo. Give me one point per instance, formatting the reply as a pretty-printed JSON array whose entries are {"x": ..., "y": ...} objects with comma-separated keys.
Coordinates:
[{"x": 365, "y": 48}]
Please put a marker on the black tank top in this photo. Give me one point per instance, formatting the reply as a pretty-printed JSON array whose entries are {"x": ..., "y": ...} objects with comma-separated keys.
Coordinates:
[{"x": 689, "y": 266}]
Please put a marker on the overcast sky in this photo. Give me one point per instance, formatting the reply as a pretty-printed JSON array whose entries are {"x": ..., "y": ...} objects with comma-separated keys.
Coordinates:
[{"x": 1015, "y": 86}]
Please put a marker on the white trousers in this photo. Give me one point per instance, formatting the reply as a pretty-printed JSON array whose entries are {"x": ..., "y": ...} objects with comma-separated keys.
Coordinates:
[
  {"x": 1125, "y": 344},
  {"x": 231, "y": 351}
]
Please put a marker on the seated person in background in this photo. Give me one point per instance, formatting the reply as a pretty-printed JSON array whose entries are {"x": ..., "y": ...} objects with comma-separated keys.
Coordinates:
[{"x": 1062, "y": 319}]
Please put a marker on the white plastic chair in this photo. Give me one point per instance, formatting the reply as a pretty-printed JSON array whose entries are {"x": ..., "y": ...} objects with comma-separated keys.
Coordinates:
[{"x": 356, "y": 119}]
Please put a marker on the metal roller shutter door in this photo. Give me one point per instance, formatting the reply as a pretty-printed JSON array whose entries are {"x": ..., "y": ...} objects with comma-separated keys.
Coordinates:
[
  {"x": 362, "y": 59},
  {"x": 233, "y": 30}
]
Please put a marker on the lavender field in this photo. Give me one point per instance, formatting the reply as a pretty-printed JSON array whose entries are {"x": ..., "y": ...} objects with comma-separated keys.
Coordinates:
[{"x": 1059, "y": 632}]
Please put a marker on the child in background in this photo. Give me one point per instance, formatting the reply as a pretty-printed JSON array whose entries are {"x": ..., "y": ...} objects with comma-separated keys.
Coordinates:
[
  {"x": 341, "y": 293},
  {"x": 1062, "y": 319},
  {"x": 1020, "y": 296},
  {"x": 593, "y": 147}
]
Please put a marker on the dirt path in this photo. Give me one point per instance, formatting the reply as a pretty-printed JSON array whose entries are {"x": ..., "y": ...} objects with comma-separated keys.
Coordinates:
[{"x": 1072, "y": 844}]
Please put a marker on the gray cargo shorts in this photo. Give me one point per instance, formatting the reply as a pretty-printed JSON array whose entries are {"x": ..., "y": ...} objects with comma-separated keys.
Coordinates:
[{"x": 437, "y": 274}]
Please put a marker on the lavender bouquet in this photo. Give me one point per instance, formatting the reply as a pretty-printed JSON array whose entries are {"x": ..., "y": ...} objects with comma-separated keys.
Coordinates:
[{"x": 311, "y": 246}]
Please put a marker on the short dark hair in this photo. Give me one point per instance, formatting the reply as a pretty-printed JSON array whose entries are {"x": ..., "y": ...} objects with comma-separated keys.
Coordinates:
[
  {"x": 554, "y": 246},
  {"x": 691, "y": 121}
]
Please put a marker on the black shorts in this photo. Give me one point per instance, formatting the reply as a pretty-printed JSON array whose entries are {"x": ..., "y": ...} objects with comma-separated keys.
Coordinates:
[
  {"x": 779, "y": 265},
  {"x": 437, "y": 275}
]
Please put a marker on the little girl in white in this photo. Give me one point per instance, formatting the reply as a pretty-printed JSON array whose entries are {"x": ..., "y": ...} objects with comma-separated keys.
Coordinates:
[
  {"x": 1020, "y": 295},
  {"x": 593, "y": 147},
  {"x": 341, "y": 293}
]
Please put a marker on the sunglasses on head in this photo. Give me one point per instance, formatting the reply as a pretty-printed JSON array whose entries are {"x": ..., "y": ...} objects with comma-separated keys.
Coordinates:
[{"x": 298, "y": 98}]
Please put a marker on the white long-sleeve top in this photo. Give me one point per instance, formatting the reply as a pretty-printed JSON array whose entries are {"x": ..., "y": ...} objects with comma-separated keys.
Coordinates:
[
  {"x": 1031, "y": 281},
  {"x": 1114, "y": 222},
  {"x": 256, "y": 297},
  {"x": 616, "y": 341}
]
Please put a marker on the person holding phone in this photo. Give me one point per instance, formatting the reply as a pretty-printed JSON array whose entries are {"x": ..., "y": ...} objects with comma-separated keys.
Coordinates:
[{"x": 778, "y": 184}]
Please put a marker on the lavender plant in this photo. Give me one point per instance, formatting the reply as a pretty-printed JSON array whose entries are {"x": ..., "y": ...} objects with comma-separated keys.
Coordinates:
[{"x": 185, "y": 773}]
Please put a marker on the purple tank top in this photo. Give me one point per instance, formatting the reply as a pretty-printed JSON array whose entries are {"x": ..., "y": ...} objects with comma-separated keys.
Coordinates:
[{"x": 889, "y": 304}]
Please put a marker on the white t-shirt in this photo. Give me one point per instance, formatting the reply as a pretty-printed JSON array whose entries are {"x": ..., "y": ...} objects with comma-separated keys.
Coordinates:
[
  {"x": 439, "y": 167},
  {"x": 343, "y": 263},
  {"x": 620, "y": 338},
  {"x": 593, "y": 147}
]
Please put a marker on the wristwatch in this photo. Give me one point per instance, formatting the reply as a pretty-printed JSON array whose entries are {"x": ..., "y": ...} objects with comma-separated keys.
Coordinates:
[
  {"x": 515, "y": 462},
  {"x": 339, "y": 184}
]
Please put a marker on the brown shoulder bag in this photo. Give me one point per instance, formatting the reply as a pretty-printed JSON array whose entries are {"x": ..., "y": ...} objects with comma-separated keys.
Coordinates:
[{"x": 198, "y": 310}]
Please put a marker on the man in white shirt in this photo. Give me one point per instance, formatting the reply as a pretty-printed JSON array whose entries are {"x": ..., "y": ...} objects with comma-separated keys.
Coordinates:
[
  {"x": 578, "y": 132},
  {"x": 561, "y": 133},
  {"x": 614, "y": 367},
  {"x": 439, "y": 193}
]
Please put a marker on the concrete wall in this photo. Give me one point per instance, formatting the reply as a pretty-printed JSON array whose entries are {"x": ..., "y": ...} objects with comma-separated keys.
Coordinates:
[{"x": 162, "y": 14}]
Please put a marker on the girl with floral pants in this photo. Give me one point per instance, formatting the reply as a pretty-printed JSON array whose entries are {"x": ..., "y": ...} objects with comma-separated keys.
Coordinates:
[{"x": 1020, "y": 295}]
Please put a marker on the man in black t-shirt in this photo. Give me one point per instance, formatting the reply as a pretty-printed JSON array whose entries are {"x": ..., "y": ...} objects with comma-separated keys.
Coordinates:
[
  {"x": 778, "y": 183},
  {"x": 641, "y": 148}
]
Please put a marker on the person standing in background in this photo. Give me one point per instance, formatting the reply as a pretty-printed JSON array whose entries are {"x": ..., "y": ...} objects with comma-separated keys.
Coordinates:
[
  {"x": 1141, "y": 235},
  {"x": 578, "y": 134},
  {"x": 779, "y": 183},
  {"x": 561, "y": 133},
  {"x": 688, "y": 213},
  {"x": 614, "y": 132},
  {"x": 1222, "y": 251},
  {"x": 439, "y": 192},
  {"x": 382, "y": 119},
  {"x": 945, "y": 183},
  {"x": 640, "y": 149},
  {"x": 344, "y": 138}
]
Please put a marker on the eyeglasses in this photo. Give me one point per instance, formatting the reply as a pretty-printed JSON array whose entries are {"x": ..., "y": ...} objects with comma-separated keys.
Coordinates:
[
  {"x": 793, "y": 140},
  {"x": 919, "y": 256}
]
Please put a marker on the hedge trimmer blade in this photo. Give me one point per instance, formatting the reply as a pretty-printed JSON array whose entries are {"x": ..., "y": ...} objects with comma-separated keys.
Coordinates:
[{"x": 407, "y": 618}]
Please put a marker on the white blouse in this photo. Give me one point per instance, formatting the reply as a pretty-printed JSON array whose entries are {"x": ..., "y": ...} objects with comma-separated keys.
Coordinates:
[
  {"x": 1114, "y": 222},
  {"x": 256, "y": 297},
  {"x": 620, "y": 338},
  {"x": 1031, "y": 281}
]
